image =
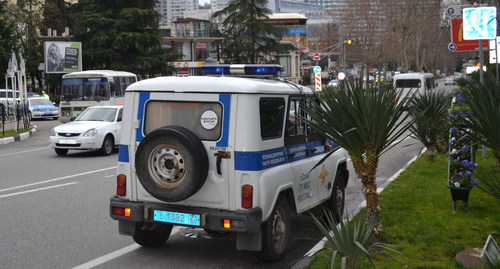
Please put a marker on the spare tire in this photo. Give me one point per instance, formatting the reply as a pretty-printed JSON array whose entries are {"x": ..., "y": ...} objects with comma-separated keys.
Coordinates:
[{"x": 171, "y": 163}]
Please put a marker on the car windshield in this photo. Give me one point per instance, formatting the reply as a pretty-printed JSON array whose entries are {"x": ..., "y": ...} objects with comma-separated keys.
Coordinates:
[
  {"x": 41, "y": 101},
  {"x": 98, "y": 114}
]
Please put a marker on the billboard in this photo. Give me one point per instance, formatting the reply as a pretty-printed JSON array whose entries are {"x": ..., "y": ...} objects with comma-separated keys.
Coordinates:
[
  {"x": 458, "y": 42},
  {"x": 62, "y": 57}
]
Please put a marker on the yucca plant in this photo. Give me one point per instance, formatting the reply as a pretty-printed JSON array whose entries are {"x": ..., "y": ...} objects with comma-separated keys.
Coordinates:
[
  {"x": 366, "y": 123},
  {"x": 489, "y": 181},
  {"x": 350, "y": 241},
  {"x": 431, "y": 126},
  {"x": 483, "y": 121}
]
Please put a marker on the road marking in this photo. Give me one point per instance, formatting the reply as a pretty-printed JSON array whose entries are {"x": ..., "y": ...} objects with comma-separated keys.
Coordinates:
[
  {"x": 57, "y": 179},
  {"x": 108, "y": 257},
  {"x": 116, "y": 254},
  {"x": 8, "y": 154},
  {"x": 39, "y": 189}
]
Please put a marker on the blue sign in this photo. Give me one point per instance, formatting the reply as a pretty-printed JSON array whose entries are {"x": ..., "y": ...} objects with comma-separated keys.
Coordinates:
[
  {"x": 317, "y": 69},
  {"x": 452, "y": 46},
  {"x": 480, "y": 23},
  {"x": 297, "y": 31}
]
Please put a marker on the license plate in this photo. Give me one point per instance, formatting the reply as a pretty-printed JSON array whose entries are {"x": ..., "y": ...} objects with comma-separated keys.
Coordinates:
[
  {"x": 47, "y": 113},
  {"x": 67, "y": 141},
  {"x": 177, "y": 218}
]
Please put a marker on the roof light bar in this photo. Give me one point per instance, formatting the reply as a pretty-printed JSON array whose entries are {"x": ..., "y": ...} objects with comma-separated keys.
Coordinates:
[{"x": 255, "y": 70}]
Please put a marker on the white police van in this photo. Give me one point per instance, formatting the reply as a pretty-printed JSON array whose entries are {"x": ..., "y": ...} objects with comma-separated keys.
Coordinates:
[{"x": 225, "y": 154}]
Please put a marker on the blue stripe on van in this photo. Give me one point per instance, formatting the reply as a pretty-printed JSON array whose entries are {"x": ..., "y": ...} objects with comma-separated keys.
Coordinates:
[
  {"x": 143, "y": 98},
  {"x": 255, "y": 161},
  {"x": 123, "y": 154},
  {"x": 225, "y": 99}
]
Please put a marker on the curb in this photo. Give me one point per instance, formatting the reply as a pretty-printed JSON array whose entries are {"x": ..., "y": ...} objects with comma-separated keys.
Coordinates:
[{"x": 19, "y": 137}]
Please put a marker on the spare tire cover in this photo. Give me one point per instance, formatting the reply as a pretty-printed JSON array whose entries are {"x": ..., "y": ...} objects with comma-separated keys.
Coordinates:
[{"x": 171, "y": 163}]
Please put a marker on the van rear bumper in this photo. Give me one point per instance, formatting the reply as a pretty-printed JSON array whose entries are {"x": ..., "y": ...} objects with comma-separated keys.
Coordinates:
[{"x": 246, "y": 221}]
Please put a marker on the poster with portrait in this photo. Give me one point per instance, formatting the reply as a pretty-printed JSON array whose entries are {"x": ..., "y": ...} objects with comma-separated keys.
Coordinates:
[{"x": 62, "y": 57}]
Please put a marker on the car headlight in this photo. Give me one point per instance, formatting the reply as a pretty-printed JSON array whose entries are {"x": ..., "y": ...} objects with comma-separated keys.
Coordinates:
[{"x": 91, "y": 132}]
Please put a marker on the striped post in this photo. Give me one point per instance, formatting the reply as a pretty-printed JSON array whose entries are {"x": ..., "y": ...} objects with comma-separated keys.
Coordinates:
[{"x": 318, "y": 81}]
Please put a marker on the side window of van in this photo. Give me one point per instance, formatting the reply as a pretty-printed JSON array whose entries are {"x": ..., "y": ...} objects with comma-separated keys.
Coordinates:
[
  {"x": 294, "y": 125},
  {"x": 272, "y": 115},
  {"x": 408, "y": 83}
]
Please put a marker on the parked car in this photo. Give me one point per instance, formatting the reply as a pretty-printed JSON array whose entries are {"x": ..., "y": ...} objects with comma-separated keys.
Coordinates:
[
  {"x": 42, "y": 108},
  {"x": 96, "y": 128},
  {"x": 6, "y": 97}
]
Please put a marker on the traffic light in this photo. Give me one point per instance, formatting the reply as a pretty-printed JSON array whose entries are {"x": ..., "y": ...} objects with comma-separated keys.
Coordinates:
[
  {"x": 349, "y": 41},
  {"x": 478, "y": 64}
]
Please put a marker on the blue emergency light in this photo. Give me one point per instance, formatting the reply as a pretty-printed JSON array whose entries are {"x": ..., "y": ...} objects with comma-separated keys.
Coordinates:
[{"x": 257, "y": 70}]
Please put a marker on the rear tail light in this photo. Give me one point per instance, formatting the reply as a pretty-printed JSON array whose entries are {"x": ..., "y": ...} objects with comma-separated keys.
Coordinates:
[
  {"x": 120, "y": 211},
  {"x": 233, "y": 223},
  {"x": 246, "y": 196},
  {"x": 121, "y": 186}
]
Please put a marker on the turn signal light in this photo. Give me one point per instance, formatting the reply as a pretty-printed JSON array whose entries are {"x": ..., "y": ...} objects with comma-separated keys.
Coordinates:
[
  {"x": 246, "y": 196},
  {"x": 121, "y": 186},
  {"x": 227, "y": 224},
  {"x": 122, "y": 211}
]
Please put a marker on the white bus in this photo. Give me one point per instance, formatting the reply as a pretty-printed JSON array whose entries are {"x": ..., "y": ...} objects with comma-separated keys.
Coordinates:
[{"x": 90, "y": 88}]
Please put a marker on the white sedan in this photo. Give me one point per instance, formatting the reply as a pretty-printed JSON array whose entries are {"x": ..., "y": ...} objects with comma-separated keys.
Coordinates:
[
  {"x": 96, "y": 128},
  {"x": 449, "y": 80}
]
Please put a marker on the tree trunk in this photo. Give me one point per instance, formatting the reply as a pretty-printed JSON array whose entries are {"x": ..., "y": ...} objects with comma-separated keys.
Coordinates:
[{"x": 367, "y": 172}]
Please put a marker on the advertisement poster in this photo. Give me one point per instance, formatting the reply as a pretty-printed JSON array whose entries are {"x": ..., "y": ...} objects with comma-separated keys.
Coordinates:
[
  {"x": 458, "y": 43},
  {"x": 62, "y": 57}
]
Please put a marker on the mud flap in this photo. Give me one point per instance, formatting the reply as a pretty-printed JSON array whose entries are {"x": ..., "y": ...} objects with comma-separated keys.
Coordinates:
[
  {"x": 251, "y": 242},
  {"x": 126, "y": 227}
]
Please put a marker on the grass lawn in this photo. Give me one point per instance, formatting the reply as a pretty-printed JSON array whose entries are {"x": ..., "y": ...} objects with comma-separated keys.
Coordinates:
[
  {"x": 9, "y": 133},
  {"x": 418, "y": 217}
]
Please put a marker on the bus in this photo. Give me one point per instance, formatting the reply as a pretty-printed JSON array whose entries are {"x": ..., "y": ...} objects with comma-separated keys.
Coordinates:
[{"x": 91, "y": 88}]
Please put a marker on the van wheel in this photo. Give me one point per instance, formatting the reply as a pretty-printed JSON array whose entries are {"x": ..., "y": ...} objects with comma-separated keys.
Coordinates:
[
  {"x": 107, "y": 146},
  {"x": 337, "y": 198},
  {"x": 172, "y": 163},
  {"x": 152, "y": 238},
  {"x": 276, "y": 232},
  {"x": 61, "y": 152}
]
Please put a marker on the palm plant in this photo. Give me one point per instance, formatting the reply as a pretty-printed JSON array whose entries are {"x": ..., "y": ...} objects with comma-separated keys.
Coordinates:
[
  {"x": 366, "y": 123},
  {"x": 431, "y": 122},
  {"x": 350, "y": 241}
]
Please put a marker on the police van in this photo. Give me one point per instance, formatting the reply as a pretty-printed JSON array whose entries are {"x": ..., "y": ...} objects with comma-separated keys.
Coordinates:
[{"x": 227, "y": 152}]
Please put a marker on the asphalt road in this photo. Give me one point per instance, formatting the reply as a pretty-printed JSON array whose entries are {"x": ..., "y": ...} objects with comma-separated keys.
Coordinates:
[{"x": 55, "y": 214}]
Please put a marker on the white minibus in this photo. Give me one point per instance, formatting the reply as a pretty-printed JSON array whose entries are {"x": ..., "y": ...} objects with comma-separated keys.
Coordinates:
[{"x": 411, "y": 83}]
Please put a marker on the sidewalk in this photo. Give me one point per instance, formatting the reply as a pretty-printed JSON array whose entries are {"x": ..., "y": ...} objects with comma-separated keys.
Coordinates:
[{"x": 11, "y": 125}]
